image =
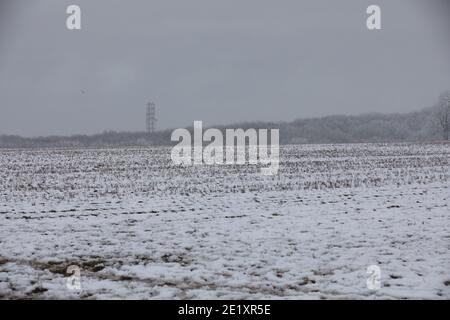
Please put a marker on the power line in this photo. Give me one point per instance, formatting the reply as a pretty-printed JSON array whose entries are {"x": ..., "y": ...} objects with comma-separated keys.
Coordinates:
[{"x": 150, "y": 119}]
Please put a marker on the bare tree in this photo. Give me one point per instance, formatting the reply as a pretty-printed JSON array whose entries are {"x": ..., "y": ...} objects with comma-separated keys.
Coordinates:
[{"x": 444, "y": 114}]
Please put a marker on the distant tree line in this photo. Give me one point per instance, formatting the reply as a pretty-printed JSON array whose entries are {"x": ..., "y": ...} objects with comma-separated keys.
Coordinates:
[{"x": 430, "y": 124}]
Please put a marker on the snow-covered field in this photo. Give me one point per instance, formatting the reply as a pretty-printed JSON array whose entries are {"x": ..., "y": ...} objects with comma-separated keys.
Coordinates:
[{"x": 139, "y": 227}]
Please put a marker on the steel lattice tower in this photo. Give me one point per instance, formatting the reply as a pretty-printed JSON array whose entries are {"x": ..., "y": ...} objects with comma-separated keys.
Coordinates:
[{"x": 150, "y": 119}]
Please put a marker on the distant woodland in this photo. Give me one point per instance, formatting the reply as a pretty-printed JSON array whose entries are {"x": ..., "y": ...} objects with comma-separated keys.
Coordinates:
[{"x": 430, "y": 124}]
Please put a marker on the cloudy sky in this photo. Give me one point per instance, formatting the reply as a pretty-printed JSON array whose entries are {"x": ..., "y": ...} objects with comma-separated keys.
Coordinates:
[{"x": 220, "y": 61}]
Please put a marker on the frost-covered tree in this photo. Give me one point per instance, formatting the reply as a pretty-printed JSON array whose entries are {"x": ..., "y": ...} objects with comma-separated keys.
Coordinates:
[{"x": 444, "y": 114}]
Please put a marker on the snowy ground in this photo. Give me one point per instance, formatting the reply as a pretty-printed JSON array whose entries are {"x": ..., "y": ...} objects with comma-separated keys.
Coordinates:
[{"x": 138, "y": 227}]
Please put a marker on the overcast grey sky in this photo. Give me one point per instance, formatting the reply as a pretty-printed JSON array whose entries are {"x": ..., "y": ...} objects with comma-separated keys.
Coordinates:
[{"x": 220, "y": 61}]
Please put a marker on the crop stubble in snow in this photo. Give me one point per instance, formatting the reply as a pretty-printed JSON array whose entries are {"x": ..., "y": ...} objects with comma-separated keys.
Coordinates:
[{"x": 139, "y": 227}]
